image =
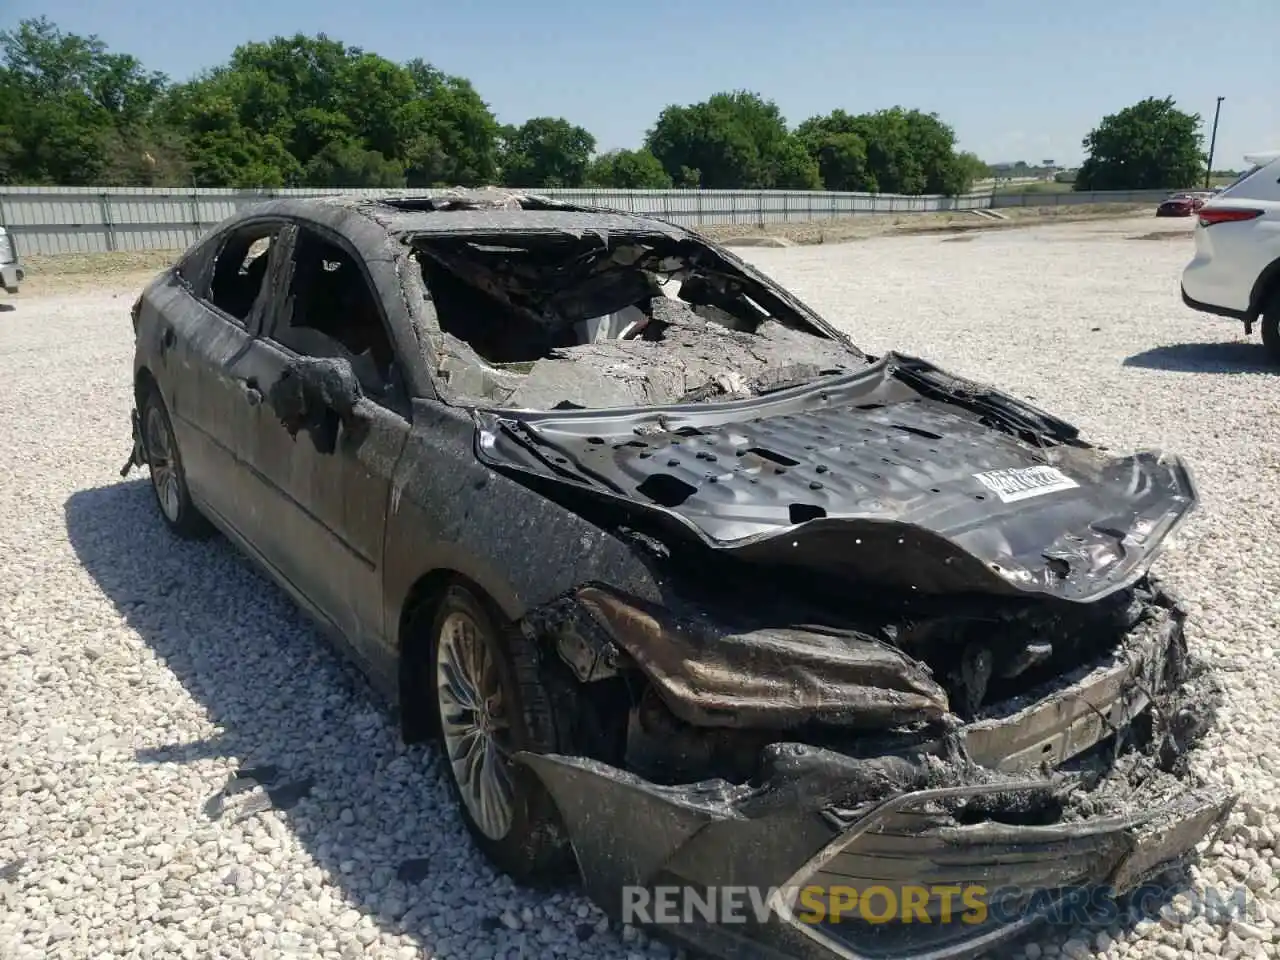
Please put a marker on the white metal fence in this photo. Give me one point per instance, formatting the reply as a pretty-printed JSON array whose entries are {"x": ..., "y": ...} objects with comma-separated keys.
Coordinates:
[{"x": 55, "y": 220}]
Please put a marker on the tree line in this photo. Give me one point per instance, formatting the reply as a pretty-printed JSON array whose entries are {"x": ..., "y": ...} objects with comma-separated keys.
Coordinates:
[{"x": 313, "y": 111}]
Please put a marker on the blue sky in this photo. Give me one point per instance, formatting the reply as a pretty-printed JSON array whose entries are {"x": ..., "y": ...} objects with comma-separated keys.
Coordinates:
[{"x": 1017, "y": 80}]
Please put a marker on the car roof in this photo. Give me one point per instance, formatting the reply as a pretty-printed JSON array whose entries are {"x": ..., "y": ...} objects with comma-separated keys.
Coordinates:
[{"x": 485, "y": 211}]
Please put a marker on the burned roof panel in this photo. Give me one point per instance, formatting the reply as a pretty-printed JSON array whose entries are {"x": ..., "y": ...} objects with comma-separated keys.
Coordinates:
[{"x": 574, "y": 222}]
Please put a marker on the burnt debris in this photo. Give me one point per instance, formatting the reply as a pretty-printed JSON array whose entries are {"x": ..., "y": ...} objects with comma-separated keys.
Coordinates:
[{"x": 619, "y": 319}]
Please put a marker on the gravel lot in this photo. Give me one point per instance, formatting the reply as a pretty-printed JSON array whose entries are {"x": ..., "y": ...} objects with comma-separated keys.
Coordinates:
[{"x": 137, "y": 672}]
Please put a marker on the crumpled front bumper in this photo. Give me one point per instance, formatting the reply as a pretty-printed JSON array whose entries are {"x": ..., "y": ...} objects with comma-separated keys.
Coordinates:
[
  {"x": 903, "y": 879},
  {"x": 898, "y": 856}
]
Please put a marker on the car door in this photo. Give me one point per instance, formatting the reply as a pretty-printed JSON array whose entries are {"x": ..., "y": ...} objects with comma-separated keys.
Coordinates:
[
  {"x": 329, "y": 504},
  {"x": 207, "y": 319}
]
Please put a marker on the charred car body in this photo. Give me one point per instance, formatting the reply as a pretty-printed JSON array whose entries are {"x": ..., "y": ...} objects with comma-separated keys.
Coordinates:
[{"x": 692, "y": 590}]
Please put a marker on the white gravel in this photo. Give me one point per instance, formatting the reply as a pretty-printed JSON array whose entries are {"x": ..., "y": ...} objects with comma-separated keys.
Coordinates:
[{"x": 137, "y": 672}]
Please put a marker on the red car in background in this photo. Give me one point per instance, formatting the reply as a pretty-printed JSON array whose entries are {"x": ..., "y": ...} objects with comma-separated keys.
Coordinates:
[{"x": 1180, "y": 205}]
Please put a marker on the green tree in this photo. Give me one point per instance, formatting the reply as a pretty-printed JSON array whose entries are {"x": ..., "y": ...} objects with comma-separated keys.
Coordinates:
[
  {"x": 546, "y": 152},
  {"x": 311, "y": 110},
  {"x": 963, "y": 170},
  {"x": 75, "y": 113},
  {"x": 453, "y": 135},
  {"x": 889, "y": 151},
  {"x": 1150, "y": 145},
  {"x": 837, "y": 146},
  {"x": 732, "y": 140},
  {"x": 628, "y": 170},
  {"x": 341, "y": 163}
]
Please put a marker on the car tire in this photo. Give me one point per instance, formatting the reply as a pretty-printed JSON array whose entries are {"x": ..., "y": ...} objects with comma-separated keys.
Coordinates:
[
  {"x": 474, "y": 664},
  {"x": 168, "y": 477},
  {"x": 1271, "y": 327}
]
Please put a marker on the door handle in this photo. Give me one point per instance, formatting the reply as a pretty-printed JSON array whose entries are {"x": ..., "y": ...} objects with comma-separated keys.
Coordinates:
[{"x": 249, "y": 387}]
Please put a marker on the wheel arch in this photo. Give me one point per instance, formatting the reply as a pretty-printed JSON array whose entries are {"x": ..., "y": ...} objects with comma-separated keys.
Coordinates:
[
  {"x": 417, "y": 720},
  {"x": 144, "y": 381},
  {"x": 1264, "y": 288}
]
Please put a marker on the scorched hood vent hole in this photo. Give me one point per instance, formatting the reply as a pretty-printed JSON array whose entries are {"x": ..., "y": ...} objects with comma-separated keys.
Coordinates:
[{"x": 666, "y": 490}]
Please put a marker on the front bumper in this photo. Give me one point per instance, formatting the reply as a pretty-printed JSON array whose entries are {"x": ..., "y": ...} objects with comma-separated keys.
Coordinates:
[
  {"x": 940, "y": 854},
  {"x": 11, "y": 274}
]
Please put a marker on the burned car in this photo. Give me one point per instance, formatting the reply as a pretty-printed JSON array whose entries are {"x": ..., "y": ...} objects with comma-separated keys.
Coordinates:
[{"x": 692, "y": 591}]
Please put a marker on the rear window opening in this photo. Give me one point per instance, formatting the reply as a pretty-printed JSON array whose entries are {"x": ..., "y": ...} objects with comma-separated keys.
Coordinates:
[{"x": 564, "y": 321}]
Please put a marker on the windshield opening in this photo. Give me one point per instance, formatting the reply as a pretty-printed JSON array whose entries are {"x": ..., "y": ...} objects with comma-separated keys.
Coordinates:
[{"x": 591, "y": 321}]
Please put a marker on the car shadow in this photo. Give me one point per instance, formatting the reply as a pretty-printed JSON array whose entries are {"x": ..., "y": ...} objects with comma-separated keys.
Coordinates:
[
  {"x": 293, "y": 716},
  {"x": 7, "y": 307},
  {"x": 1215, "y": 357}
]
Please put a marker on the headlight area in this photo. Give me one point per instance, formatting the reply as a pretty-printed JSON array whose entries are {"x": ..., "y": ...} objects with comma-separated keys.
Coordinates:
[{"x": 827, "y": 759}]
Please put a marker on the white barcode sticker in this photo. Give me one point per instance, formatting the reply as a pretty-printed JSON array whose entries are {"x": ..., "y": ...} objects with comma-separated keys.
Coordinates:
[{"x": 1023, "y": 483}]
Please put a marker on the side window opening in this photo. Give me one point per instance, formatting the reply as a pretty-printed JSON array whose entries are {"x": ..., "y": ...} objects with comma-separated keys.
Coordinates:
[
  {"x": 239, "y": 269},
  {"x": 333, "y": 312}
]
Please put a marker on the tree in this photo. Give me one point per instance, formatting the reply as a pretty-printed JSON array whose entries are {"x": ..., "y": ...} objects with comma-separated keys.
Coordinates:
[
  {"x": 346, "y": 163},
  {"x": 628, "y": 170},
  {"x": 734, "y": 140},
  {"x": 889, "y": 151},
  {"x": 546, "y": 152},
  {"x": 837, "y": 146},
  {"x": 963, "y": 170},
  {"x": 75, "y": 112},
  {"x": 453, "y": 135},
  {"x": 1150, "y": 145},
  {"x": 311, "y": 109}
]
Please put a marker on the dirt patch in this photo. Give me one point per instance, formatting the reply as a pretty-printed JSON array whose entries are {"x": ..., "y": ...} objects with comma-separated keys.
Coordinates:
[
  {"x": 1165, "y": 235},
  {"x": 884, "y": 224},
  {"x": 49, "y": 274}
]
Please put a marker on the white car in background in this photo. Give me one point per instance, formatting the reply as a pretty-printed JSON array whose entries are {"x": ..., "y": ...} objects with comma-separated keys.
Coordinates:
[
  {"x": 1236, "y": 270},
  {"x": 11, "y": 272}
]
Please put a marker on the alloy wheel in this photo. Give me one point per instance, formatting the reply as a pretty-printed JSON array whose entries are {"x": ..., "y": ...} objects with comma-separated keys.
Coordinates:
[
  {"x": 475, "y": 727},
  {"x": 164, "y": 469}
]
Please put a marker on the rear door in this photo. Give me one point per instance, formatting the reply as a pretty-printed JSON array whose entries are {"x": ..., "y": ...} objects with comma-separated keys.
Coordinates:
[{"x": 329, "y": 508}]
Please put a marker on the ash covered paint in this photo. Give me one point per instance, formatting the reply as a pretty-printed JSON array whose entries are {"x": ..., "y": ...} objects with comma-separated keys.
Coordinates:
[{"x": 782, "y": 604}]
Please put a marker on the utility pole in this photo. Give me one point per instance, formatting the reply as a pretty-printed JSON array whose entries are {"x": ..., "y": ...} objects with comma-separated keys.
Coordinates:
[{"x": 1213, "y": 140}]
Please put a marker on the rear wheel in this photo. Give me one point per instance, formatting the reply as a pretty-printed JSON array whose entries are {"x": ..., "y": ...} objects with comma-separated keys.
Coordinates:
[
  {"x": 490, "y": 703},
  {"x": 168, "y": 479},
  {"x": 1271, "y": 326}
]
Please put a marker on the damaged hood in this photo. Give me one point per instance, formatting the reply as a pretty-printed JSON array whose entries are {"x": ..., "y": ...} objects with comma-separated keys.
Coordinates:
[{"x": 900, "y": 475}]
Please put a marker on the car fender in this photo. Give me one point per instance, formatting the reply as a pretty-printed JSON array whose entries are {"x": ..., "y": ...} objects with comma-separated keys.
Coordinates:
[{"x": 451, "y": 513}]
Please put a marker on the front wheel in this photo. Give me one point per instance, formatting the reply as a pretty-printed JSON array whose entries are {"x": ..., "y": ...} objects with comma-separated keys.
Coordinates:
[
  {"x": 168, "y": 478},
  {"x": 490, "y": 704},
  {"x": 1271, "y": 327}
]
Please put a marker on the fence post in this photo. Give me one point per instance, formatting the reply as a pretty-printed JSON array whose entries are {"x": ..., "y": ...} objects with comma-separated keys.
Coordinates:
[
  {"x": 195, "y": 214},
  {"x": 760, "y": 208},
  {"x": 13, "y": 241},
  {"x": 108, "y": 228}
]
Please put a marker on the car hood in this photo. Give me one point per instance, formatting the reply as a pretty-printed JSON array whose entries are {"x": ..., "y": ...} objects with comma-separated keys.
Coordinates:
[{"x": 899, "y": 474}]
